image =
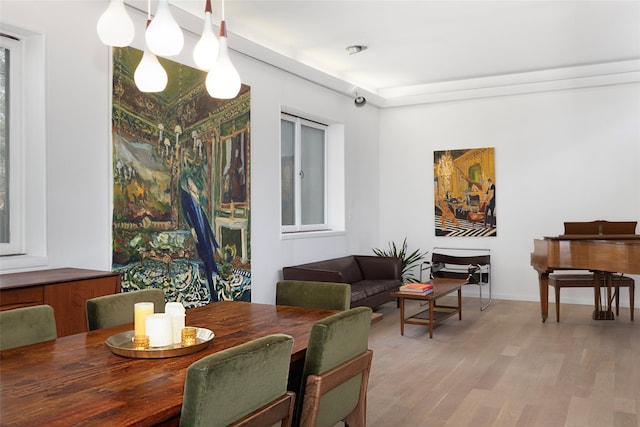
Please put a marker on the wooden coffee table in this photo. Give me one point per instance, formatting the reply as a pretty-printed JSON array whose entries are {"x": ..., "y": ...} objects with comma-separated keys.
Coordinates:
[{"x": 435, "y": 313}]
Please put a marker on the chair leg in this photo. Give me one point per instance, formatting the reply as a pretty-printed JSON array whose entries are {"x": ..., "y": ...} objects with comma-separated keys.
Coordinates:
[
  {"x": 617, "y": 291},
  {"x": 358, "y": 418},
  {"x": 632, "y": 303},
  {"x": 557, "y": 289}
]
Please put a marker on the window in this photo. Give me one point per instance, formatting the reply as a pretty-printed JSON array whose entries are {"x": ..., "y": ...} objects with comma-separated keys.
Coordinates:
[
  {"x": 23, "y": 204},
  {"x": 303, "y": 166},
  {"x": 11, "y": 241}
]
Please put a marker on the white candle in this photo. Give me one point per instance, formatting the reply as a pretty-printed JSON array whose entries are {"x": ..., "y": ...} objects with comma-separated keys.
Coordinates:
[
  {"x": 141, "y": 310},
  {"x": 158, "y": 328},
  {"x": 177, "y": 312}
]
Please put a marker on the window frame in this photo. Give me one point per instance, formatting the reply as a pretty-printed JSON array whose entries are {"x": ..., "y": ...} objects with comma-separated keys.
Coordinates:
[
  {"x": 15, "y": 142},
  {"x": 298, "y": 227},
  {"x": 33, "y": 168}
]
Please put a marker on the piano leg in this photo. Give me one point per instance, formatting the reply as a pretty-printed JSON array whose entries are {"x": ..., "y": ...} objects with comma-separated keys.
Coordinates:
[
  {"x": 543, "y": 278},
  {"x": 600, "y": 278}
]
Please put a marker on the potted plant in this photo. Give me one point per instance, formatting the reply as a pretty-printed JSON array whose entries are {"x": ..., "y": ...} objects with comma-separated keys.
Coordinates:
[{"x": 409, "y": 260}]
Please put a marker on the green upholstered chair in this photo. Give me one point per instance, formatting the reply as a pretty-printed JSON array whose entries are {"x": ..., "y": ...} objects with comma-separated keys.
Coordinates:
[
  {"x": 336, "y": 371},
  {"x": 27, "y": 325},
  {"x": 328, "y": 295},
  {"x": 117, "y": 309},
  {"x": 239, "y": 385}
]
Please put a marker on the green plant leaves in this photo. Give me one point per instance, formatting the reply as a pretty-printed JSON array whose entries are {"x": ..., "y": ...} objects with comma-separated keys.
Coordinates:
[{"x": 409, "y": 260}]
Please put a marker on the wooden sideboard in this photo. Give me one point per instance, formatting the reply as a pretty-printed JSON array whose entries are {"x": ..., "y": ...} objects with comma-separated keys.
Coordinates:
[{"x": 64, "y": 289}]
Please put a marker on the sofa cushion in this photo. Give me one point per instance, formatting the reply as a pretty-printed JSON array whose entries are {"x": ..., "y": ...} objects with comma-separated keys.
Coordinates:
[
  {"x": 379, "y": 267},
  {"x": 357, "y": 293},
  {"x": 367, "y": 288},
  {"x": 348, "y": 266}
]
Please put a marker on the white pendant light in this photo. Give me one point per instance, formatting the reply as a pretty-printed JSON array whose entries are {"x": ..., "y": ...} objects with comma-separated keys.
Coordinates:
[
  {"x": 149, "y": 75},
  {"x": 115, "y": 27},
  {"x": 206, "y": 50},
  {"x": 223, "y": 80},
  {"x": 164, "y": 36}
]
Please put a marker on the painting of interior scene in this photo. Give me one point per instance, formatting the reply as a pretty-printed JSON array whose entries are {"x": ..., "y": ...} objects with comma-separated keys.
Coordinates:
[
  {"x": 181, "y": 169},
  {"x": 464, "y": 191}
]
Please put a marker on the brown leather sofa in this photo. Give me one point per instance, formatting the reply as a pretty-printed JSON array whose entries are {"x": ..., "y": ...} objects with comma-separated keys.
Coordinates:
[{"x": 372, "y": 278}]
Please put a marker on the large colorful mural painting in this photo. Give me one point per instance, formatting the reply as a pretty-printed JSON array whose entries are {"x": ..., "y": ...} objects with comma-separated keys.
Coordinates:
[
  {"x": 464, "y": 191},
  {"x": 181, "y": 186}
]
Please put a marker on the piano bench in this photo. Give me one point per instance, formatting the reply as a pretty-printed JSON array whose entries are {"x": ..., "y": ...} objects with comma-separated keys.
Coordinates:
[{"x": 559, "y": 281}]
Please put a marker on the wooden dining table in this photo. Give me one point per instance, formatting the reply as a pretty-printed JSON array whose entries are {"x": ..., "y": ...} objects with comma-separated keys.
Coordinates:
[{"x": 77, "y": 380}]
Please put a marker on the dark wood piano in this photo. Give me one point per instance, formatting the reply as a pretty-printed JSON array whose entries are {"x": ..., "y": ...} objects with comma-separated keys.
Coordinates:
[{"x": 602, "y": 247}]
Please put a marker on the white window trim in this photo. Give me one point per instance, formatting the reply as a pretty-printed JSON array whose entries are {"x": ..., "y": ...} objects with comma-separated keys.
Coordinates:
[
  {"x": 32, "y": 173},
  {"x": 16, "y": 148},
  {"x": 298, "y": 226},
  {"x": 334, "y": 180}
]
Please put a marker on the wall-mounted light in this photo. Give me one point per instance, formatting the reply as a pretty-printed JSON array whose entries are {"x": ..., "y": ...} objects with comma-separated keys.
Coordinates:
[
  {"x": 164, "y": 36},
  {"x": 223, "y": 80},
  {"x": 358, "y": 99},
  {"x": 115, "y": 27},
  {"x": 206, "y": 50}
]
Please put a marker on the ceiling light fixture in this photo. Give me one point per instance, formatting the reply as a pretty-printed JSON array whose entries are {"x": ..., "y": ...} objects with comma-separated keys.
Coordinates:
[
  {"x": 115, "y": 27},
  {"x": 164, "y": 36},
  {"x": 206, "y": 50},
  {"x": 150, "y": 76},
  {"x": 355, "y": 49},
  {"x": 223, "y": 80}
]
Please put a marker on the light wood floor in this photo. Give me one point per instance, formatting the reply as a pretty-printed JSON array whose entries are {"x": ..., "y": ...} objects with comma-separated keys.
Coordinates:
[{"x": 504, "y": 367}]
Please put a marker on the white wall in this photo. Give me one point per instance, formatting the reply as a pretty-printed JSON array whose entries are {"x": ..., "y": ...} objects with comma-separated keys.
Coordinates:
[
  {"x": 566, "y": 155},
  {"x": 78, "y": 108},
  {"x": 570, "y": 155}
]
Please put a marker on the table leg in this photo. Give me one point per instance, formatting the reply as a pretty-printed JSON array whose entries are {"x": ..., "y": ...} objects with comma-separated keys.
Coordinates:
[
  {"x": 401, "y": 301},
  {"x": 459, "y": 303},
  {"x": 432, "y": 306}
]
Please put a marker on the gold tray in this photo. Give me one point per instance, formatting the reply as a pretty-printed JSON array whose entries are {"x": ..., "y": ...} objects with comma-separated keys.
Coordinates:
[{"x": 122, "y": 345}]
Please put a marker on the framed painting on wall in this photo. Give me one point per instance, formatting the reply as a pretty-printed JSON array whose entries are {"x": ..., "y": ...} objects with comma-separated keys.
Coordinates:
[
  {"x": 181, "y": 171},
  {"x": 464, "y": 192}
]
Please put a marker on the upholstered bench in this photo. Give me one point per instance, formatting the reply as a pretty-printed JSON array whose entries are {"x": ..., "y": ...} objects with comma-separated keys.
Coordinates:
[{"x": 559, "y": 280}]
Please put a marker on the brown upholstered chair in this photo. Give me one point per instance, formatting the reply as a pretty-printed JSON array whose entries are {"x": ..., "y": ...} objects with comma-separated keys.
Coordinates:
[{"x": 453, "y": 263}]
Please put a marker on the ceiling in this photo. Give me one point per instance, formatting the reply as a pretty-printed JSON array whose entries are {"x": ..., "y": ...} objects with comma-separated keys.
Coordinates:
[{"x": 414, "y": 44}]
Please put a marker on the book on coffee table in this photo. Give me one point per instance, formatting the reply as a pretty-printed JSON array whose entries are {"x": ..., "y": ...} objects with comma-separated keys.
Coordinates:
[{"x": 417, "y": 288}]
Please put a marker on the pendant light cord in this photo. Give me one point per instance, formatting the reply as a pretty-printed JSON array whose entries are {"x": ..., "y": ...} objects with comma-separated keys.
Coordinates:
[
  {"x": 148, "y": 15},
  {"x": 223, "y": 25}
]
